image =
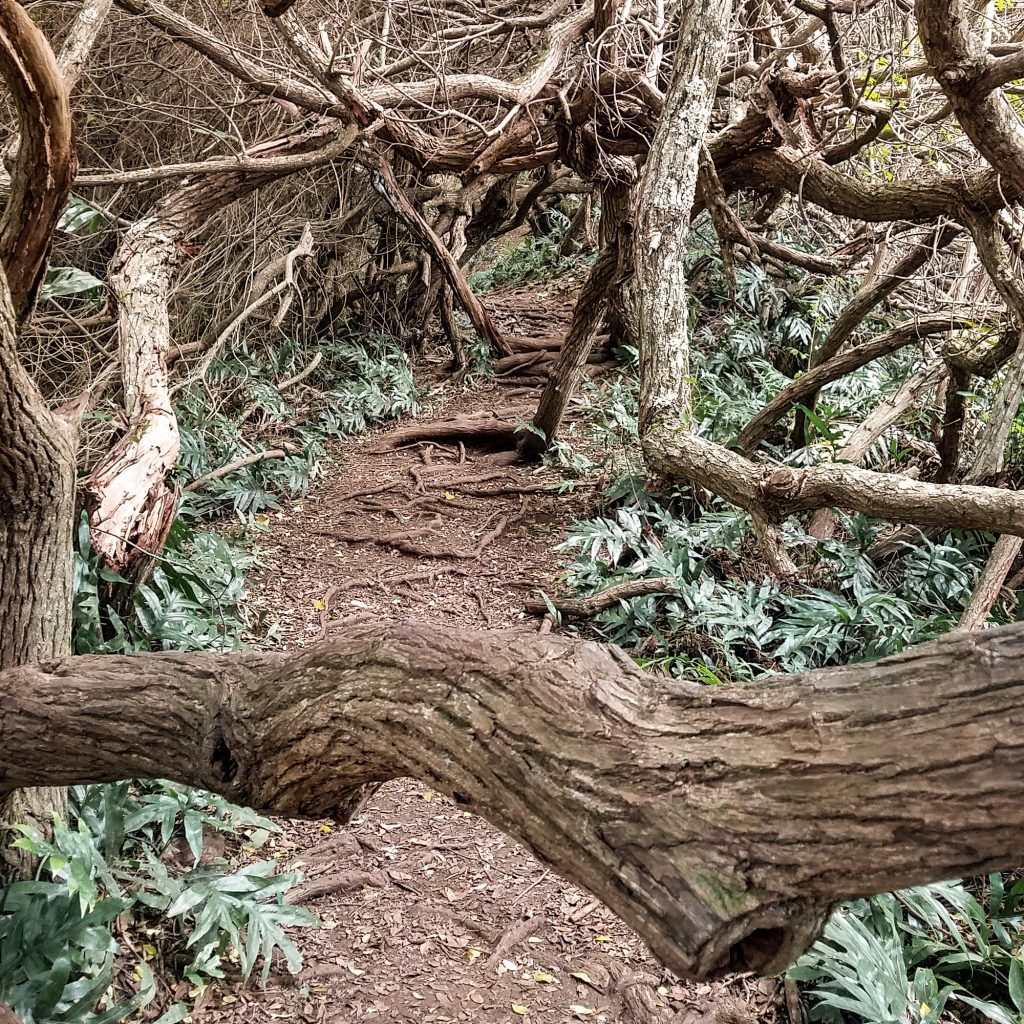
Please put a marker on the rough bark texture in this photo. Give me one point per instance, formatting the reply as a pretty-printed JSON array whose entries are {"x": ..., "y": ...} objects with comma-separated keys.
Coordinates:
[
  {"x": 37, "y": 492},
  {"x": 658, "y": 299},
  {"x": 46, "y": 161},
  {"x": 37, "y": 448},
  {"x": 970, "y": 77},
  {"x": 722, "y": 823}
]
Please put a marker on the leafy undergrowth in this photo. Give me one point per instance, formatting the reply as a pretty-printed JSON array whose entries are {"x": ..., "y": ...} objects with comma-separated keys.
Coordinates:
[
  {"x": 538, "y": 257},
  {"x": 148, "y": 883},
  {"x": 949, "y": 952},
  {"x": 133, "y": 862}
]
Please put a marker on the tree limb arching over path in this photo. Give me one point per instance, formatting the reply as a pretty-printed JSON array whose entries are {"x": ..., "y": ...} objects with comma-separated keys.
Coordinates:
[{"x": 720, "y": 823}]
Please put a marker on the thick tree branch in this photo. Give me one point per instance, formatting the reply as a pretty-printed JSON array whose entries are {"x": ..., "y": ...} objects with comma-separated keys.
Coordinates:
[
  {"x": 721, "y": 823},
  {"x": 810, "y": 383},
  {"x": 963, "y": 68},
  {"x": 922, "y": 199},
  {"x": 46, "y": 162}
]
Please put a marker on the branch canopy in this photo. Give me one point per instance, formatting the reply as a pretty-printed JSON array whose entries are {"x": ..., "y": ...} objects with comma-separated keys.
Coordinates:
[{"x": 721, "y": 823}]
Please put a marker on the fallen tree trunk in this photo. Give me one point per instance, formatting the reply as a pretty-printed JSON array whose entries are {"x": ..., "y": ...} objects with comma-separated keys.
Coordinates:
[{"x": 722, "y": 823}]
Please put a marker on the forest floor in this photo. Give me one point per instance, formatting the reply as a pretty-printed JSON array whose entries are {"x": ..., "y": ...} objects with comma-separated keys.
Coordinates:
[{"x": 429, "y": 913}]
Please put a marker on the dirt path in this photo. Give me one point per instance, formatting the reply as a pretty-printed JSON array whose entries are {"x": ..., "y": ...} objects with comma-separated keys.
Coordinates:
[{"x": 430, "y": 913}]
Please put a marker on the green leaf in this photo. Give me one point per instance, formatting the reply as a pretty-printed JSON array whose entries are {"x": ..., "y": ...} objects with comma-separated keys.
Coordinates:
[
  {"x": 1016, "y": 984},
  {"x": 63, "y": 281}
]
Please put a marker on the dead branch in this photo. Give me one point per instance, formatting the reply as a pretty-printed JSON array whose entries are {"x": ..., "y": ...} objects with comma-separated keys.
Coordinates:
[
  {"x": 387, "y": 185},
  {"x": 241, "y": 463},
  {"x": 587, "y": 607}
]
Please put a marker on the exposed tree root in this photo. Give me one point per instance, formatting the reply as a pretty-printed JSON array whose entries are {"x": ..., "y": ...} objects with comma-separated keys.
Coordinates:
[
  {"x": 337, "y": 883},
  {"x": 406, "y": 540},
  {"x": 490, "y": 427}
]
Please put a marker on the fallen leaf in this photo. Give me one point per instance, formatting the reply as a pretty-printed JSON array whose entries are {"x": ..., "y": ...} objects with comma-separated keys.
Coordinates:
[
  {"x": 542, "y": 977},
  {"x": 582, "y": 1011},
  {"x": 583, "y": 976},
  {"x": 521, "y": 1010},
  {"x": 319, "y": 606}
]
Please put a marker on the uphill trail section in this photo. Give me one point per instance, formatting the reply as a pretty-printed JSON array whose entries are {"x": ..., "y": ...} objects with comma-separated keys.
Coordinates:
[{"x": 429, "y": 913}]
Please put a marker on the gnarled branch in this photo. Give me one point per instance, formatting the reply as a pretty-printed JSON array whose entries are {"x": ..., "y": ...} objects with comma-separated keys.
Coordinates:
[
  {"x": 46, "y": 162},
  {"x": 721, "y": 823}
]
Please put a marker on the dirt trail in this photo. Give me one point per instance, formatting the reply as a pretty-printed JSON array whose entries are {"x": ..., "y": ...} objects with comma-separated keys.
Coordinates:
[{"x": 430, "y": 913}]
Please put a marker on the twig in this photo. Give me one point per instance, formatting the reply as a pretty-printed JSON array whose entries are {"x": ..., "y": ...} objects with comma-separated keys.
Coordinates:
[
  {"x": 245, "y": 460},
  {"x": 584, "y": 607}
]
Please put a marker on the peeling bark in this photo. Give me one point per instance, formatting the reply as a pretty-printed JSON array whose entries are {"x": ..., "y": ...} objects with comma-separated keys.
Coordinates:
[{"x": 131, "y": 505}]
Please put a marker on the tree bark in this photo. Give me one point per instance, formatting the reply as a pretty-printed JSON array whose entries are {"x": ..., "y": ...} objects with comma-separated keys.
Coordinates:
[
  {"x": 387, "y": 185},
  {"x": 990, "y": 583},
  {"x": 37, "y": 448},
  {"x": 658, "y": 303},
  {"x": 131, "y": 505},
  {"x": 46, "y": 161},
  {"x": 564, "y": 378},
  {"x": 722, "y": 823}
]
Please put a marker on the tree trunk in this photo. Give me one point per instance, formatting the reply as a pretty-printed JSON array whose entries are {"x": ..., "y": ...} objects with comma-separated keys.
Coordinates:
[
  {"x": 564, "y": 378},
  {"x": 37, "y": 448},
  {"x": 37, "y": 503},
  {"x": 659, "y": 306},
  {"x": 722, "y": 823},
  {"x": 131, "y": 505}
]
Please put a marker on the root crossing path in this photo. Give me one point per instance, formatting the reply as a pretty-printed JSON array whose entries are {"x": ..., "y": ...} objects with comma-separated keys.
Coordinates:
[{"x": 431, "y": 914}]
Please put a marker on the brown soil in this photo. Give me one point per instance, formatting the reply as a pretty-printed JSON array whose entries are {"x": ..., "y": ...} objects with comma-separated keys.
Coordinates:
[{"x": 431, "y": 914}]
